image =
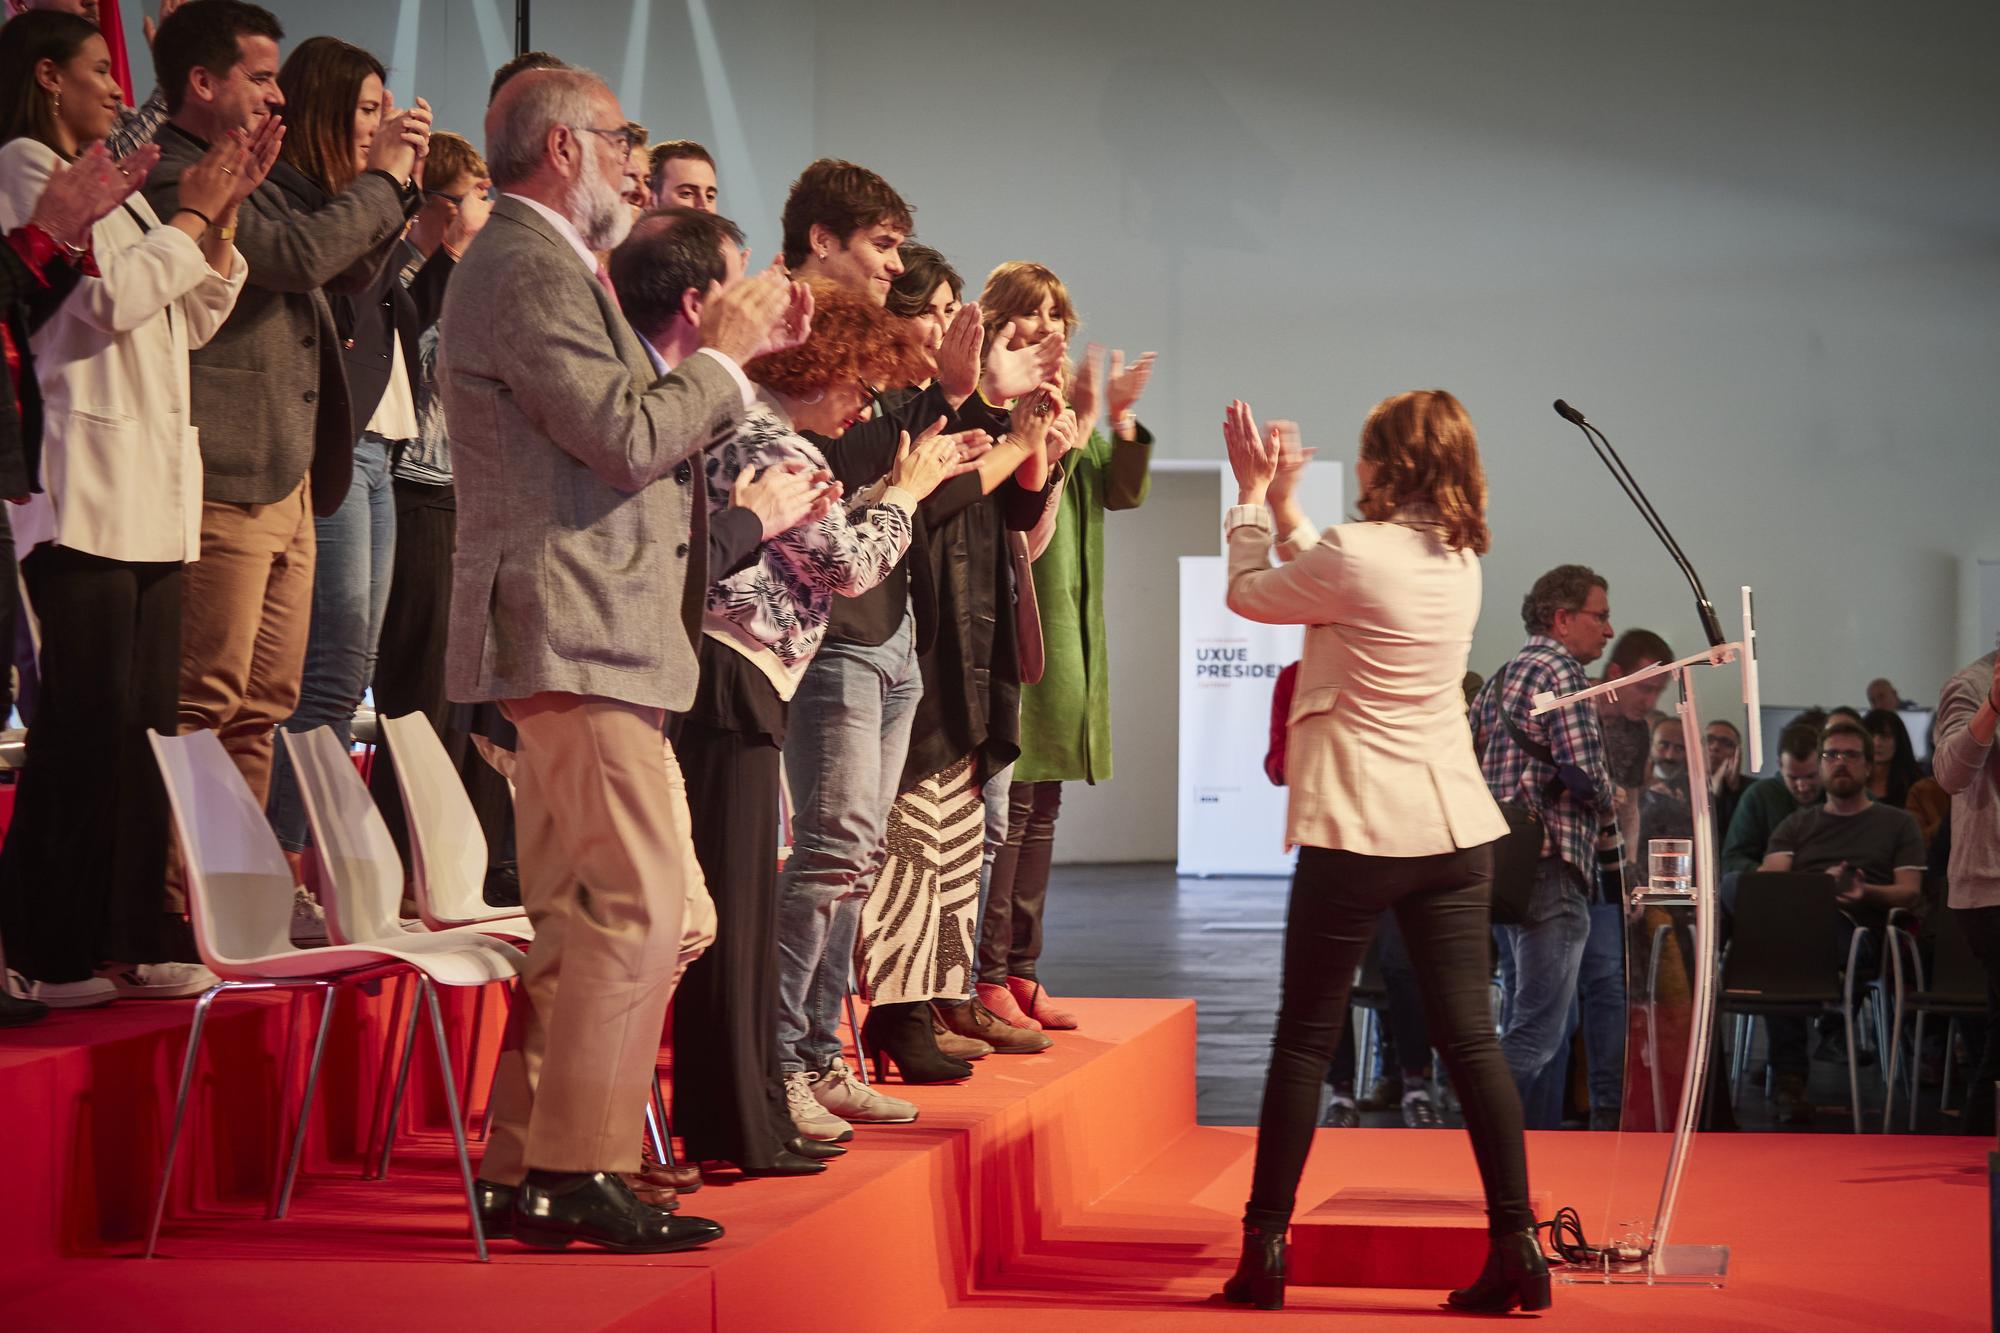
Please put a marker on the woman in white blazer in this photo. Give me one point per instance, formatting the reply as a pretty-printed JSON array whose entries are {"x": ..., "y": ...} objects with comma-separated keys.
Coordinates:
[
  {"x": 116, "y": 514},
  {"x": 1387, "y": 804}
]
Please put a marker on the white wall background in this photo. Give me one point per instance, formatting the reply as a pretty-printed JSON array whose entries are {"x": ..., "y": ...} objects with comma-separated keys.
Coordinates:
[{"x": 1759, "y": 244}]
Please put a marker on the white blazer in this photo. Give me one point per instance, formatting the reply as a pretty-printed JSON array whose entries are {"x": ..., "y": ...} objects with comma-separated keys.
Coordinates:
[
  {"x": 1378, "y": 755},
  {"x": 121, "y": 465}
]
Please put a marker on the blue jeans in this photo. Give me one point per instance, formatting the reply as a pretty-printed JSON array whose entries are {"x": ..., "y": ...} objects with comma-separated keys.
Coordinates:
[
  {"x": 1547, "y": 955},
  {"x": 1600, "y": 992},
  {"x": 844, "y": 762},
  {"x": 357, "y": 552},
  {"x": 994, "y": 793}
]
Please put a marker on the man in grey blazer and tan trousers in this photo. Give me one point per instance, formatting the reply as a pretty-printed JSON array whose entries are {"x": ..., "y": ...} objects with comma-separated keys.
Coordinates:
[{"x": 578, "y": 587}]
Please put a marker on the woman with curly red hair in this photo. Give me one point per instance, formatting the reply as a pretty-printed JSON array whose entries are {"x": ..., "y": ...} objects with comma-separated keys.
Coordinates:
[{"x": 762, "y": 624}]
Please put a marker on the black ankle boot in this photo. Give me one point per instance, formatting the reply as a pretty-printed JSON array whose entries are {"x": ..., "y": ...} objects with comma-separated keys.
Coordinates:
[
  {"x": 902, "y": 1033},
  {"x": 1516, "y": 1274},
  {"x": 1260, "y": 1274}
]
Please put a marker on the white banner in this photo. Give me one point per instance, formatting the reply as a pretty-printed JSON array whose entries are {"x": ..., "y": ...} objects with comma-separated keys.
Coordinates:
[{"x": 1232, "y": 819}]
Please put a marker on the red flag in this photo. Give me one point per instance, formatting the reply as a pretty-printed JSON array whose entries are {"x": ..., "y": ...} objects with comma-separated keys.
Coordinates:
[{"x": 113, "y": 29}]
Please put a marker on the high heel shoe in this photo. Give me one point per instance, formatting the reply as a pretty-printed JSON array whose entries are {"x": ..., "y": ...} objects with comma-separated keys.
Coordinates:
[
  {"x": 1259, "y": 1279},
  {"x": 1516, "y": 1274},
  {"x": 901, "y": 1033}
]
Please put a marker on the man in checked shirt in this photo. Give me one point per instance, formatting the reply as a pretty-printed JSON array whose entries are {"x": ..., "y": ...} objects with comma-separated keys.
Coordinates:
[{"x": 1568, "y": 618}]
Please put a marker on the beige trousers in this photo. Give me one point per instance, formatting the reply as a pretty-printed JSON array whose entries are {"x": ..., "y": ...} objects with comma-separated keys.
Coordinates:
[
  {"x": 246, "y": 609},
  {"x": 609, "y": 878}
]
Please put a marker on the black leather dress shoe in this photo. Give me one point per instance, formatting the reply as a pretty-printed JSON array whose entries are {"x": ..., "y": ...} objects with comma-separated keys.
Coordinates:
[
  {"x": 787, "y": 1164},
  {"x": 16, "y": 1012},
  {"x": 813, "y": 1150},
  {"x": 551, "y": 1210},
  {"x": 496, "y": 1208}
]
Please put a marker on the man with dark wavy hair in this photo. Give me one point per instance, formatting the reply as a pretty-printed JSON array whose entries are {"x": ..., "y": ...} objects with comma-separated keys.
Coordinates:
[{"x": 1554, "y": 764}]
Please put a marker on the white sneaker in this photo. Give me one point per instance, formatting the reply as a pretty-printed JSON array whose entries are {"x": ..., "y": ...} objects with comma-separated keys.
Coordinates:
[
  {"x": 844, "y": 1095},
  {"x": 813, "y": 1120},
  {"x": 161, "y": 981},
  {"x": 308, "y": 920},
  {"x": 71, "y": 994}
]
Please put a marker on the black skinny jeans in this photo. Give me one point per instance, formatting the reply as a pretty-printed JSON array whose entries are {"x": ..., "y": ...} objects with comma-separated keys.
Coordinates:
[{"x": 1443, "y": 904}]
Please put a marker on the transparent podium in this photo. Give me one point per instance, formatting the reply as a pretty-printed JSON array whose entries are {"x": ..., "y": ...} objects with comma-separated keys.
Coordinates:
[{"x": 1671, "y": 955}]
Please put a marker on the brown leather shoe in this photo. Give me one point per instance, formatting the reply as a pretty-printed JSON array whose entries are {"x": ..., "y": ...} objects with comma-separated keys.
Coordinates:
[
  {"x": 684, "y": 1179},
  {"x": 963, "y": 1048},
  {"x": 975, "y": 1020},
  {"x": 648, "y": 1191}
]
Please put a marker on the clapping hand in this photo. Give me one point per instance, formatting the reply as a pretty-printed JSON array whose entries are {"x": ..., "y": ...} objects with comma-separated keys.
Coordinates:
[
  {"x": 1253, "y": 456},
  {"x": 1086, "y": 386},
  {"x": 958, "y": 354},
  {"x": 79, "y": 194},
  {"x": 402, "y": 140},
  {"x": 1126, "y": 383},
  {"x": 973, "y": 445},
  {"x": 757, "y": 316},
  {"x": 1013, "y": 371},
  {"x": 919, "y": 467},
  {"x": 786, "y": 496},
  {"x": 151, "y": 29}
]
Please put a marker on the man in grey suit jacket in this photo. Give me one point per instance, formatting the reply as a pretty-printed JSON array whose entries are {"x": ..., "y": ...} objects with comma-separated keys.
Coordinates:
[
  {"x": 269, "y": 395},
  {"x": 576, "y": 604}
]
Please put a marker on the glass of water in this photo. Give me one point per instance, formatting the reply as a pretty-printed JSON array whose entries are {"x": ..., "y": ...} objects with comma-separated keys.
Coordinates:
[{"x": 1671, "y": 868}]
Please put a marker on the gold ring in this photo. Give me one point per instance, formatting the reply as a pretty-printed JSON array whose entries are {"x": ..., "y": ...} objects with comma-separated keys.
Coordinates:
[{"x": 227, "y": 171}]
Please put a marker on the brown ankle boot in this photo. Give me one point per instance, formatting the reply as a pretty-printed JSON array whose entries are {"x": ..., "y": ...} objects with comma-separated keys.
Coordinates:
[
  {"x": 965, "y": 1048},
  {"x": 973, "y": 1019}
]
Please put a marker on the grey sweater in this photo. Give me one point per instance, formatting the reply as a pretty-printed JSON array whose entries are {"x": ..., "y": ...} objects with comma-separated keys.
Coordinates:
[{"x": 1971, "y": 773}]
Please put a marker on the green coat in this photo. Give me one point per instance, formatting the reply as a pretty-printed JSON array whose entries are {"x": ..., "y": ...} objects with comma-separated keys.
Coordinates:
[{"x": 1066, "y": 718}]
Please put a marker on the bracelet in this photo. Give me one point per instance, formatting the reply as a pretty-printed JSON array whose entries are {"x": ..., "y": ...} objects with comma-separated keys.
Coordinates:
[{"x": 206, "y": 220}]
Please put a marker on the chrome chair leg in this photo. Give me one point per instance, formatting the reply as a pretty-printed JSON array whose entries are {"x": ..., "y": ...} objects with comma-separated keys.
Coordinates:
[
  {"x": 306, "y": 1102},
  {"x": 854, "y": 1026},
  {"x": 428, "y": 993},
  {"x": 1853, "y": 1066},
  {"x": 180, "y": 1110},
  {"x": 1916, "y": 1063},
  {"x": 472, "y": 1050},
  {"x": 380, "y": 1110},
  {"x": 665, "y": 1147},
  {"x": 1950, "y": 1044},
  {"x": 402, "y": 1083},
  {"x": 509, "y": 995}
]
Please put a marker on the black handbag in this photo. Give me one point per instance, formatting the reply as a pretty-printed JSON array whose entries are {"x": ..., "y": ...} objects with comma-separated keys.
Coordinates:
[{"x": 1516, "y": 856}]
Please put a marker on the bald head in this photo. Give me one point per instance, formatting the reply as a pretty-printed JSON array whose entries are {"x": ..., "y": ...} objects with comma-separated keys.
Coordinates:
[{"x": 1881, "y": 694}]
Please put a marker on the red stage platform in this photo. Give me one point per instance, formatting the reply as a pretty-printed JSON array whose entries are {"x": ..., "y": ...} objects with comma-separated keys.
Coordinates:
[{"x": 1065, "y": 1190}]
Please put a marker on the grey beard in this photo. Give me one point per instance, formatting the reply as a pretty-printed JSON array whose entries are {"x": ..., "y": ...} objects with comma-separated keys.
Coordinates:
[
  {"x": 1670, "y": 773},
  {"x": 599, "y": 215}
]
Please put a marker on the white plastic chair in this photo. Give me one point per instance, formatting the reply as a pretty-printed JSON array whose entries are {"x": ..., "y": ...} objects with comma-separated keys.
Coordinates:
[
  {"x": 362, "y": 880},
  {"x": 448, "y": 859},
  {"x": 447, "y": 845},
  {"x": 240, "y": 898}
]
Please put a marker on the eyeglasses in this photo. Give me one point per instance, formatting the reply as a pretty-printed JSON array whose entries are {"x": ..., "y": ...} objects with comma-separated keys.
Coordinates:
[
  {"x": 1842, "y": 756},
  {"x": 1601, "y": 617},
  {"x": 625, "y": 140}
]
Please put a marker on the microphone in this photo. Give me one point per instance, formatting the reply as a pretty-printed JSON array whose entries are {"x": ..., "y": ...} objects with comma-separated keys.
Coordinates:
[{"x": 1601, "y": 444}]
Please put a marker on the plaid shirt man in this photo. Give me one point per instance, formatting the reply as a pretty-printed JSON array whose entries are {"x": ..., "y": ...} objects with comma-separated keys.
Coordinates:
[{"x": 1572, "y": 735}]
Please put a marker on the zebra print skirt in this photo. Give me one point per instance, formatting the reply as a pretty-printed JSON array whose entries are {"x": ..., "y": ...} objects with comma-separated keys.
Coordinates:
[{"x": 916, "y": 940}]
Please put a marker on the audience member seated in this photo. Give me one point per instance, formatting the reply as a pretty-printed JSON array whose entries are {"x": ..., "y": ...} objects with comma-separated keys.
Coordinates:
[
  {"x": 1873, "y": 858},
  {"x": 1723, "y": 745},
  {"x": 1895, "y": 768},
  {"x": 1768, "y": 801}
]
